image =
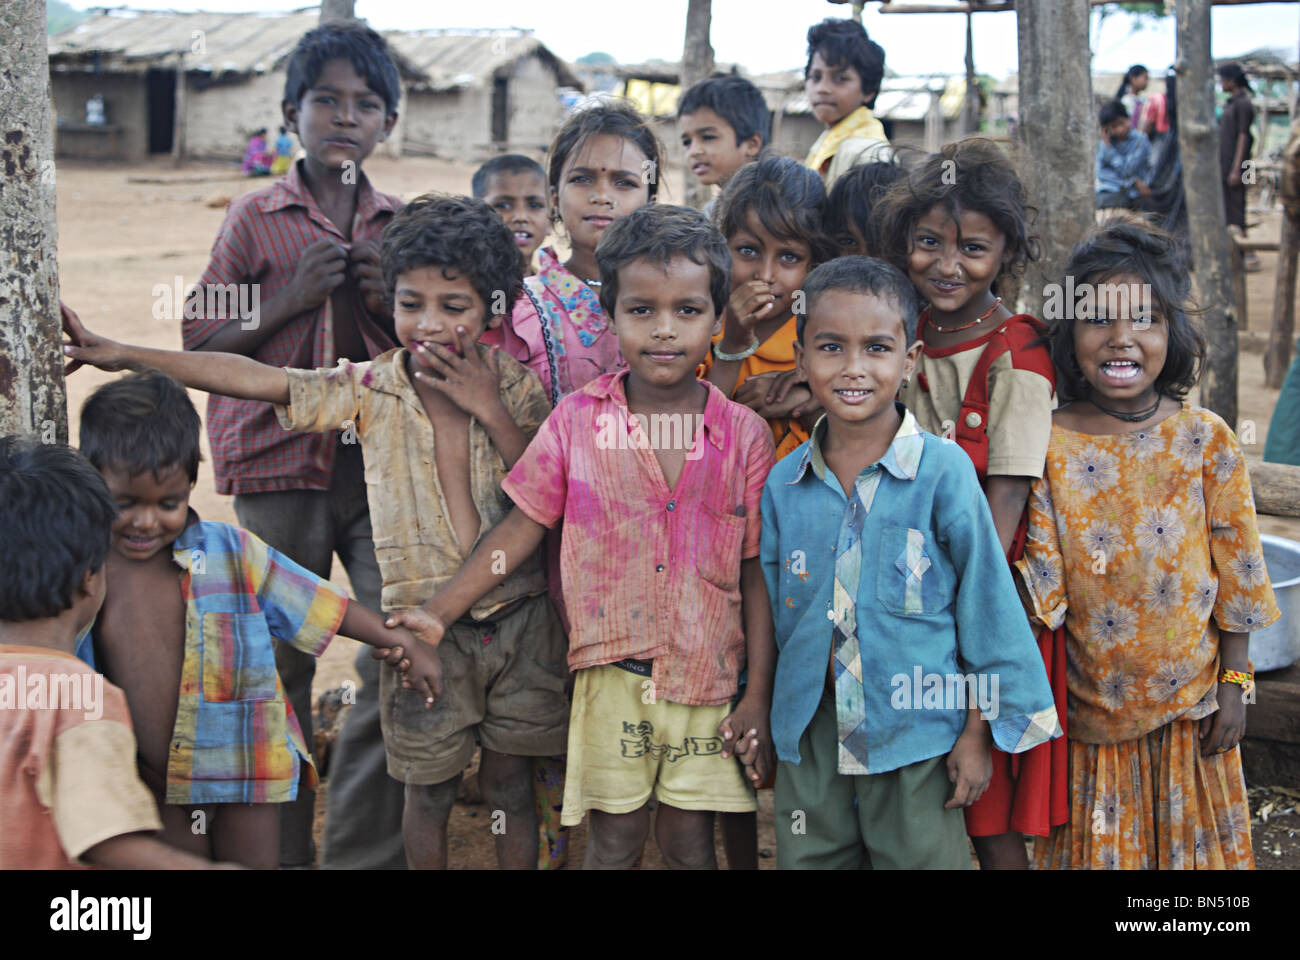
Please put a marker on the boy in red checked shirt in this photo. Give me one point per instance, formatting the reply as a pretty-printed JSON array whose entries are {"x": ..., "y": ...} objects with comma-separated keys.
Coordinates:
[{"x": 308, "y": 246}]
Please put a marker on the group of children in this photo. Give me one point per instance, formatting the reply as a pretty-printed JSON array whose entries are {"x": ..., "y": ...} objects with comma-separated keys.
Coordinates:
[{"x": 709, "y": 505}]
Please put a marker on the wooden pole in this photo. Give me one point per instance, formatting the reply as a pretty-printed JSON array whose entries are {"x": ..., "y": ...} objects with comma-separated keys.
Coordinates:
[
  {"x": 1277, "y": 358},
  {"x": 1059, "y": 134},
  {"x": 1198, "y": 142},
  {"x": 970, "y": 120},
  {"x": 32, "y": 397},
  {"x": 697, "y": 63},
  {"x": 337, "y": 10},
  {"x": 178, "y": 121}
]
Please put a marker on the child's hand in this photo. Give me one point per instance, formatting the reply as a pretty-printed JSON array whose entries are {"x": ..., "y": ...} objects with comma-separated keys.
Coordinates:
[
  {"x": 970, "y": 765},
  {"x": 425, "y": 625},
  {"x": 757, "y": 393},
  {"x": 746, "y": 733},
  {"x": 420, "y": 666},
  {"x": 750, "y": 304},
  {"x": 368, "y": 274},
  {"x": 320, "y": 270},
  {"x": 469, "y": 382},
  {"x": 1223, "y": 729},
  {"x": 84, "y": 347}
]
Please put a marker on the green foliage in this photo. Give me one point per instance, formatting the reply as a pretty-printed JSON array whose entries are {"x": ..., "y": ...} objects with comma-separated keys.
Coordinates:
[
  {"x": 60, "y": 16},
  {"x": 595, "y": 59}
]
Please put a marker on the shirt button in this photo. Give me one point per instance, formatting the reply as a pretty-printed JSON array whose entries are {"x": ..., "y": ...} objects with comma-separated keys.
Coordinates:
[
  {"x": 672, "y": 505},
  {"x": 973, "y": 420},
  {"x": 659, "y": 569}
]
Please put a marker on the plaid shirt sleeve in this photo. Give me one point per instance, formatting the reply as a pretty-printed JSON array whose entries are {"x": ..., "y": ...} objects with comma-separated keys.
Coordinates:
[
  {"x": 323, "y": 400},
  {"x": 301, "y": 609}
]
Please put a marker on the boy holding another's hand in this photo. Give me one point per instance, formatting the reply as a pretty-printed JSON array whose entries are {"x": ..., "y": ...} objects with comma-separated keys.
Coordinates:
[
  {"x": 659, "y": 556},
  {"x": 441, "y": 420}
]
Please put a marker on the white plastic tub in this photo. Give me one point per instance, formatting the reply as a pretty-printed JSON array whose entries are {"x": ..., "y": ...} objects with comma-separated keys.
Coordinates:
[{"x": 1278, "y": 645}]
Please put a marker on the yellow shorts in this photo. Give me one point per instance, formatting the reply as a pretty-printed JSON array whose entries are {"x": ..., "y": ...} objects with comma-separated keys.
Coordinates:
[{"x": 622, "y": 748}]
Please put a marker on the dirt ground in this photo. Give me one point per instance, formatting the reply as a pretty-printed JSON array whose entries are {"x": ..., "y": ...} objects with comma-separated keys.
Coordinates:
[{"x": 119, "y": 237}]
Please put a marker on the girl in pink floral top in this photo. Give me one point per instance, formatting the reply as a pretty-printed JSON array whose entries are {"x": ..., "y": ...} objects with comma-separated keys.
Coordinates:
[
  {"x": 603, "y": 164},
  {"x": 1142, "y": 542}
]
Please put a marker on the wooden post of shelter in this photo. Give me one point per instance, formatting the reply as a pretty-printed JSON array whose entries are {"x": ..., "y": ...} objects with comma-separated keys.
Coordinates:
[
  {"x": 178, "y": 123},
  {"x": 1058, "y": 131},
  {"x": 1277, "y": 358},
  {"x": 1206, "y": 220},
  {"x": 32, "y": 396},
  {"x": 337, "y": 10},
  {"x": 697, "y": 63}
]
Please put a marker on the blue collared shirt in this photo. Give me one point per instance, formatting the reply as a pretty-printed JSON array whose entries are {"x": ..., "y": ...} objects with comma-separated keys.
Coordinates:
[
  {"x": 934, "y": 611},
  {"x": 1120, "y": 164}
]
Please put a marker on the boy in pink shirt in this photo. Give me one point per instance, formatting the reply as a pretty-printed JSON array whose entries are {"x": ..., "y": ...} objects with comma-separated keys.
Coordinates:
[{"x": 658, "y": 477}]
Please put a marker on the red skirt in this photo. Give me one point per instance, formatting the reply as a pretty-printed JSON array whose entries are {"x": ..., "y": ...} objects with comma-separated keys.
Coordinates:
[{"x": 1030, "y": 791}]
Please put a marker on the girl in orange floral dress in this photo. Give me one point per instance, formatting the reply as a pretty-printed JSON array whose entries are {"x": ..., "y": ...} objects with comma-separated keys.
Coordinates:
[{"x": 1142, "y": 542}]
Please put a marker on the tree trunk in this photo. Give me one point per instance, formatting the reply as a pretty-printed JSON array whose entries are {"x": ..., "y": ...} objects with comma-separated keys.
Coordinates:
[
  {"x": 337, "y": 10},
  {"x": 697, "y": 63},
  {"x": 1207, "y": 223},
  {"x": 1275, "y": 486},
  {"x": 1059, "y": 134},
  {"x": 32, "y": 398}
]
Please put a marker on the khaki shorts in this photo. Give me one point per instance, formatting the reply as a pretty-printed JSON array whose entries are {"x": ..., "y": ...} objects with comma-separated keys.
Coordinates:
[
  {"x": 622, "y": 749},
  {"x": 502, "y": 687}
]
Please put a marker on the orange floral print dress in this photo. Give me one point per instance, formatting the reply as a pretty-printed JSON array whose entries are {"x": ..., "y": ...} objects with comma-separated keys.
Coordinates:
[{"x": 1145, "y": 546}]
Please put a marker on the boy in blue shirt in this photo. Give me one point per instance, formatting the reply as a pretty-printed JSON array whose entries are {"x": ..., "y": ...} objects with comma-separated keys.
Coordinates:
[
  {"x": 1123, "y": 160},
  {"x": 897, "y": 621}
]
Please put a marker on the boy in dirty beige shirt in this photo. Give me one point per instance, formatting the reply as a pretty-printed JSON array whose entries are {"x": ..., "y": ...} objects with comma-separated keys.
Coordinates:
[{"x": 441, "y": 420}]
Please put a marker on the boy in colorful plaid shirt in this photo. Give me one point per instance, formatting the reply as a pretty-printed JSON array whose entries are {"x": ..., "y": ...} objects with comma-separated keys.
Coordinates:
[
  {"x": 440, "y": 421},
  {"x": 186, "y": 631}
]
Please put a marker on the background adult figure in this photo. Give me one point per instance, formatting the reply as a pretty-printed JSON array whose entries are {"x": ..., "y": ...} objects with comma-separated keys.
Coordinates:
[{"x": 1235, "y": 143}]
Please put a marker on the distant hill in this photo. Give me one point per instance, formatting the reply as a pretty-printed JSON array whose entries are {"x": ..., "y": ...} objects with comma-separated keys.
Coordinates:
[{"x": 60, "y": 16}]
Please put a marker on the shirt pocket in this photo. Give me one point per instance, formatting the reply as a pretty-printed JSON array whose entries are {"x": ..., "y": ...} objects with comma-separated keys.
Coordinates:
[
  {"x": 913, "y": 579},
  {"x": 719, "y": 539},
  {"x": 238, "y": 658}
]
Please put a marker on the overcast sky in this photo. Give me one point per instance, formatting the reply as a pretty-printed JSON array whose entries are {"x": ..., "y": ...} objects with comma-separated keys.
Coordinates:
[{"x": 769, "y": 35}]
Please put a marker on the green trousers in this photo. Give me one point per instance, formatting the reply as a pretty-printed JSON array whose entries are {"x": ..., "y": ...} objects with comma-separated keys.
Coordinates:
[{"x": 898, "y": 823}]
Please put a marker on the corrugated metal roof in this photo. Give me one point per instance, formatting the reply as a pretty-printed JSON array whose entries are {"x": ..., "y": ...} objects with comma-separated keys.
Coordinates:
[
  {"x": 212, "y": 42},
  {"x": 456, "y": 59},
  {"x": 235, "y": 43}
]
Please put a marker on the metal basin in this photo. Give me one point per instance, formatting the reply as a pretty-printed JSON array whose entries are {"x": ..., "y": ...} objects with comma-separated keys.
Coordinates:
[{"x": 1278, "y": 645}]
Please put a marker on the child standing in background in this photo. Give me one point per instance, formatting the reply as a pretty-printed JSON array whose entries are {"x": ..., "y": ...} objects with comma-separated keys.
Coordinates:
[
  {"x": 283, "y": 154},
  {"x": 515, "y": 187},
  {"x": 985, "y": 380},
  {"x": 841, "y": 80},
  {"x": 852, "y": 220},
  {"x": 603, "y": 164},
  {"x": 309, "y": 246},
  {"x": 771, "y": 214},
  {"x": 724, "y": 124},
  {"x": 1143, "y": 545}
]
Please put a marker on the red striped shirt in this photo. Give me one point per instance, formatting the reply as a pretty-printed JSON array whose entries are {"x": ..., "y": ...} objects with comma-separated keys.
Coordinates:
[{"x": 260, "y": 242}]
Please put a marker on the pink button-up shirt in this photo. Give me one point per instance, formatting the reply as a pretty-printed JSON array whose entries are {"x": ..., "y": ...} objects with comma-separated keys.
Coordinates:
[{"x": 649, "y": 572}]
